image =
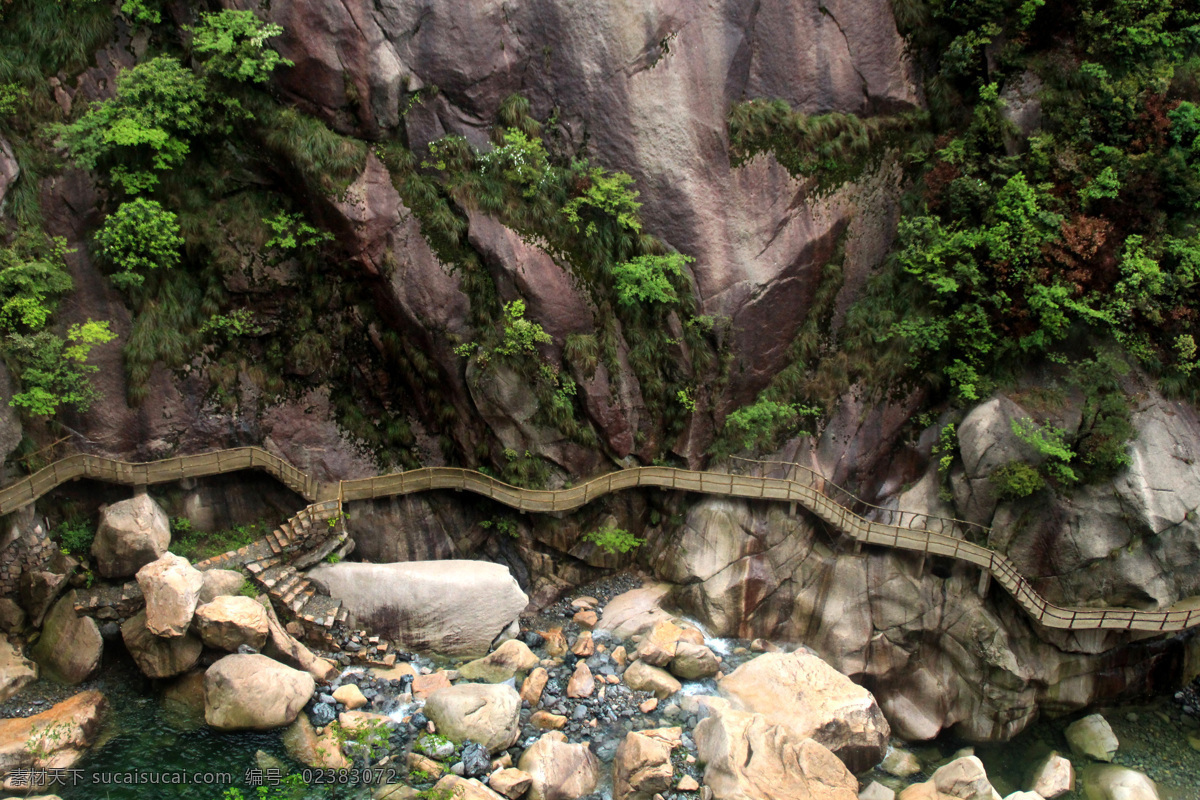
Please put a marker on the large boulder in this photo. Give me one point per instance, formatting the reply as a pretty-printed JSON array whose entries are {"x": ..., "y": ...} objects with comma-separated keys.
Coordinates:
[
  {"x": 231, "y": 621},
  {"x": 131, "y": 534},
  {"x": 642, "y": 767},
  {"x": 1093, "y": 737},
  {"x": 448, "y": 607},
  {"x": 1052, "y": 776},
  {"x": 15, "y": 670},
  {"x": 56, "y": 738},
  {"x": 171, "y": 587},
  {"x": 1109, "y": 782},
  {"x": 966, "y": 779},
  {"x": 155, "y": 656},
  {"x": 641, "y": 677},
  {"x": 559, "y": 771},
  {"x": 253, "y": 692},
  {"x": 486, "y": 713},
  {"x": 747, "y": 757},
  {"x": 502, "y": 664},
  {"x": 635, "y": 612},
  {"x": 802, "y": 693},
  {"x": 70, "y": 646}
]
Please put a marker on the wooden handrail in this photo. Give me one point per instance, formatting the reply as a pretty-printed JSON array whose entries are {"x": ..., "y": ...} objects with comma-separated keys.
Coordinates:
[{"x": 812, "y": 491}]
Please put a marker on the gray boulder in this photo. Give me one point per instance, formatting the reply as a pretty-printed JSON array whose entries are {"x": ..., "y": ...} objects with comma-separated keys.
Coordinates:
[
  {"x": 448, "y": 607},
  {"x": 156, "y": 656},
  {"x": 70, "y": 646}
]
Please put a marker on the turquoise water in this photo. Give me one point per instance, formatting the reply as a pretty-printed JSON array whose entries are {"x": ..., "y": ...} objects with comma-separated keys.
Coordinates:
[{"x": 144, "y": 741}]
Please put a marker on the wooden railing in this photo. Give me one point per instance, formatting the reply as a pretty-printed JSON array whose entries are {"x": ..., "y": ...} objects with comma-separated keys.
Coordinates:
[
  {"x": 924, "y": 534},
  {"x": 109, "y": 470}
]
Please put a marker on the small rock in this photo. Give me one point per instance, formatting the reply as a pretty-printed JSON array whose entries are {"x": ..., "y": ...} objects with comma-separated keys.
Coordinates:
[
  {"x": 512, "y": 783},
  {"x": 584, "y": 646},
  {"x": 582, "y": 684},
  {"x": 688, "y": 784},
  {"x": 535, "y": 683},
  {"x": 547, "y": 721},
  {"x": 587, "y": 619},
  {"x": 350, "y": 696},
  {"x": 1052, "y": 776},
  {"x": 648, "y": 706}
]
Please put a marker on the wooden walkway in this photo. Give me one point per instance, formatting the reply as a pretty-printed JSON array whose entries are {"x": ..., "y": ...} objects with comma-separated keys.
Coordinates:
[{"x": 895, "y": 529}]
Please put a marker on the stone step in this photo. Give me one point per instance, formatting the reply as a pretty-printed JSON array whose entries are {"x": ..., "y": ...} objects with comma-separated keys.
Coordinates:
[
  {"x": 320, "y": 610},
  {"x": 288, "y": 578},
  {"x": 288, "y": 589},
  {"x": 320, "y": 551},
  {"x": 271, "y": 576},
  {"x": 301, "y": 597},
  {"x": 260, "y": 566}
]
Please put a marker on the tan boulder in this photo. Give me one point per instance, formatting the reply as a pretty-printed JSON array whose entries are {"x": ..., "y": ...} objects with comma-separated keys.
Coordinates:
[
  {"x": 422, "y": 763},
  {"x": 512, "y": 783},
  {"x": 693, "y": 662},
  {"x": 546, "y": 721},
  {"x": 584, "y": 645},
  {"x": 635, "y": 612},
  {"x": 54, "y": 739},
  {"x": 230, "y": 621},
  {"x": 658, "y": 646},
  {"x": 425, "y": 685},
  {"x": 558, "y": 770},
  {"x": 394, "y": 673},
  {"x": 1052, "y": 776},
  {"x": 876, "y": 791},
  {"x": 1093, "y": 737},
  {"x": 254, "y": 692},
  {"x": 15, "y": 670},
  {"x": 900, "y": 763},
  {"x": 171, "y": 587},
  {"x": 452, "y": 786},
  {"x": 582, "y": 682},
  {"x": 1109, "y": 782},
  {"x": 556, "y": 642},
  {"x": 130, "y": 535},
  {"x": 183, "y": 699},
  {"x": 804, "y": 694},
  {"x": 484, "y": 713},
  {"x": 70, "y": 647},
  {"x": 306, "y": 746},
  {"x": 350, "y": 696},
  {"x": 964, "y": 778},
  {"x": 502, "y": 664},
  {"x": 749, "y": 758},
  {"x": 158, "y": 657},
  {"x": 642, "y": 767},
  {"x": 534, "y": 685},
  {"x": 642, "y": 677},
  {"x": 620, "y": 656},
  {"x": 220, "y": 582}
]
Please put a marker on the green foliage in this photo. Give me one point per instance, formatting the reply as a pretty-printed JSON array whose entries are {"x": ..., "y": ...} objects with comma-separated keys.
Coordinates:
[
  {"x": 146, "y": 12},
  {"x": 249, "y": 589},
  {"x": 180, "y": 526},
  {"x": 366, "y": 742},
  {"x": 831, "y": 148},
  {"x": 1016, "y": 480},
  {"x": 521, "y": 336},
  {"x": 159, "y": 106},
  {"x": 503, "y": 525},
  {"x": 232, "y": 325},
  {"x": 607, "y": 194},
  {"x": 75, "y": 535},
  {"x": 520, "y": 160},
  {"x": 233, "y": 45},
  {"x": 292, "y": 231},
  {"x": 1105, "y": 426},
  {"x": 648, "y": 278},
  {"x": 141, "y": 236},
  {"x": 1050, "y": 442},
  {"x": 197, "y": 545},
  {"x": 613, "y": 540},
  {"x": 55, "y": 370},
  {"x": 761, "y": 425}
]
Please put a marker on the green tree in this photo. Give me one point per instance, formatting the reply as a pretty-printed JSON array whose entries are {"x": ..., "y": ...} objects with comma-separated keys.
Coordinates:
[
  {"x": 613, "y": 540},
  {"x": 54, "y": 369},
  {"x": 233, "y": 45},
  {"x": 647, "y": 278},
  {"x": 159, "y": 106},
  {"x": 141, "y": 236},
  {"x": 521, "y": 336}
]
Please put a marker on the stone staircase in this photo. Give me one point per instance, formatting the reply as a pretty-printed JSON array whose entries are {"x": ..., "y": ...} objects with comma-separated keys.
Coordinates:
[{"x": 275, "y": 563}]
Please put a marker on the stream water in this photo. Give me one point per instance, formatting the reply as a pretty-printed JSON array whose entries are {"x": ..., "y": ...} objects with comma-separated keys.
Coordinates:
[{"x": 143, "y": 737}]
